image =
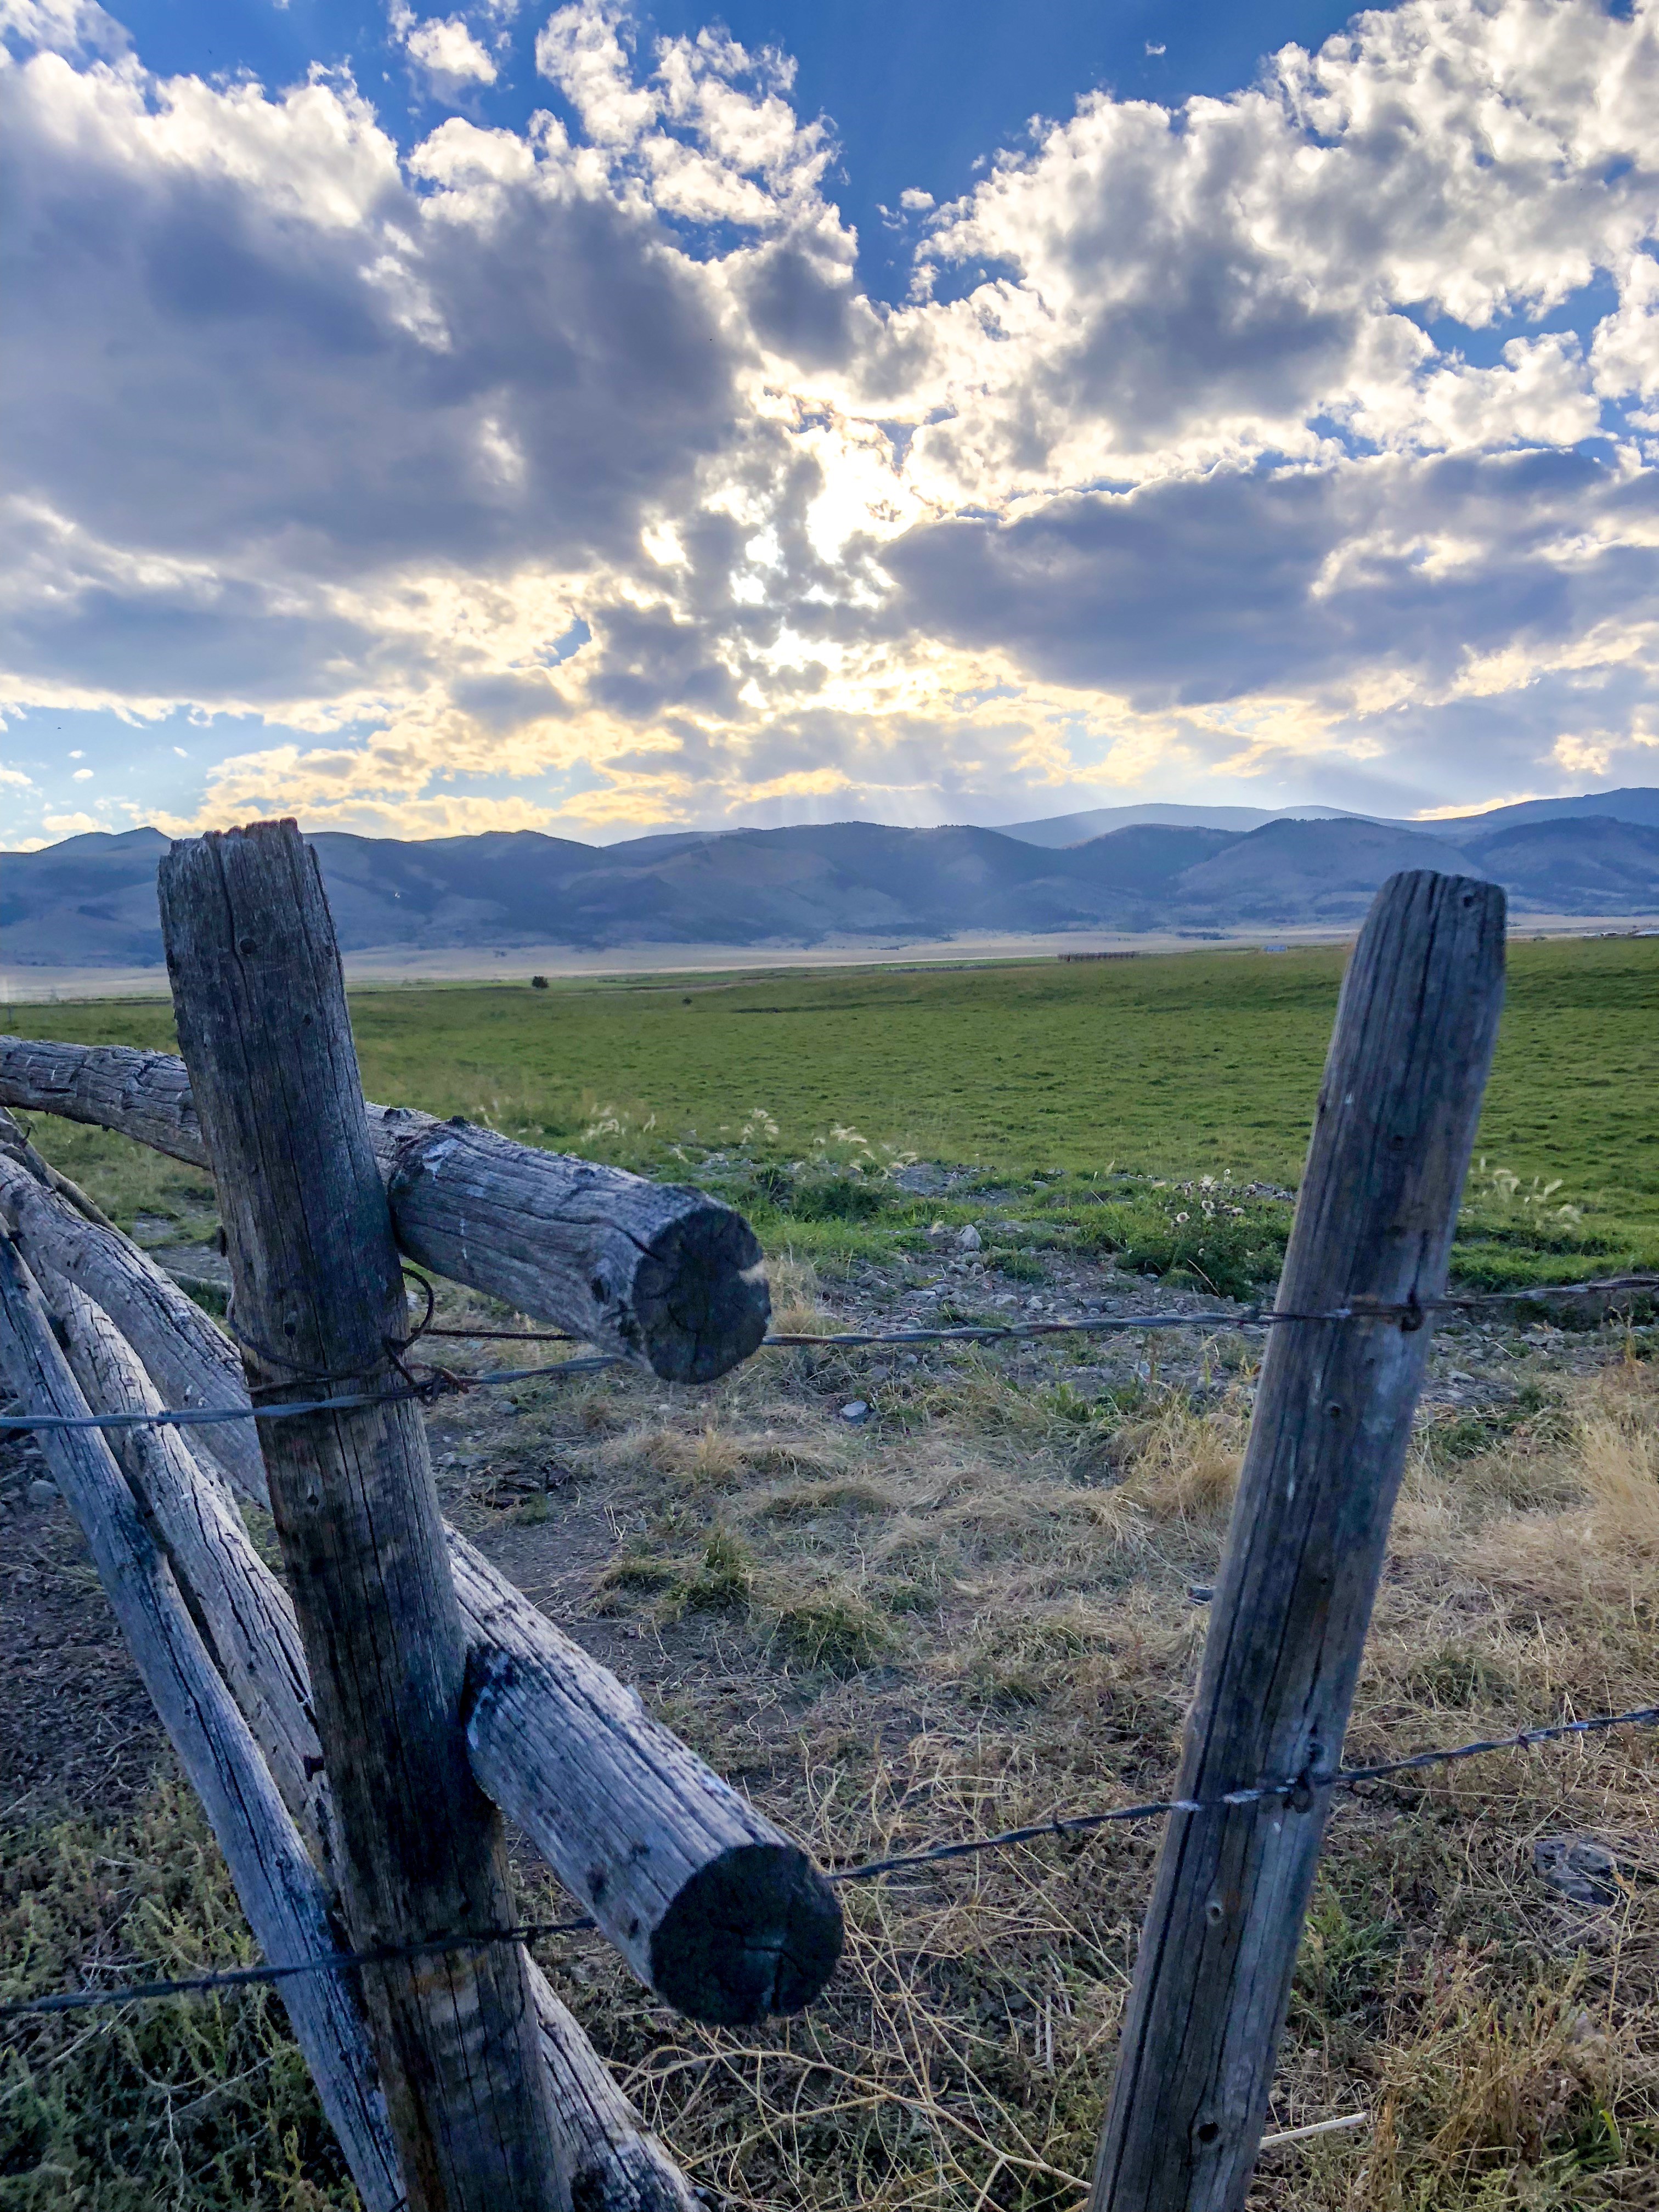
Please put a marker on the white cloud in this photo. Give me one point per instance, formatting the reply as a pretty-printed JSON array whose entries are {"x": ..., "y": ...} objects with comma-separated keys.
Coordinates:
[
  {"x": 1625, "y": 356},
  {"x": 575, "y": 461},
  {"x": 451, "y": 58}
]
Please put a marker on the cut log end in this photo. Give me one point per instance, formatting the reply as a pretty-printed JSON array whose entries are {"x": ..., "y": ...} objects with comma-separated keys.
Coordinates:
[
  {"x": 757, "y": 1931},
  {"x": 701, "y": 1300}
]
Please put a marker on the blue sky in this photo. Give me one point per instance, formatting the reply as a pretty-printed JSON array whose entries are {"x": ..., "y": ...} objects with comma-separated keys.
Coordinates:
[
  {"x": 918, "y": 94},
  {"x": 428, "y": 419}
]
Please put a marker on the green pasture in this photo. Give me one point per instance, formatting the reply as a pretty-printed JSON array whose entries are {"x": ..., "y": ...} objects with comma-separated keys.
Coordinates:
[{"x": 1081, "y": 1094}]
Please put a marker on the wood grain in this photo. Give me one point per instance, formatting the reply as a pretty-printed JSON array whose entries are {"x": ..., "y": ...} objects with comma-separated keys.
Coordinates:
[
  {"x": 187, "y": 1359},
  {"x": 713, "y": 1908},
  {"x": 659, "y": 1273},
  {"x": 1396, "y": 1116},
  {"x": 260, "y": 1002},
  {"x": 281, "y": 1891},
  {"x": 245, "y": 1615}
]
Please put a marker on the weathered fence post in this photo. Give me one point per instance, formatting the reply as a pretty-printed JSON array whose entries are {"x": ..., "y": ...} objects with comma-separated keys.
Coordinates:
[
  {"x": 1374, "y": 1222},
  {"x": 281, "y": 1891},
  {"x": 260, "y": 1003}
]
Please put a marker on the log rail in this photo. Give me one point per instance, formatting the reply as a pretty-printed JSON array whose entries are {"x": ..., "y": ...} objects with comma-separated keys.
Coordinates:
[
  {"x": 660, "y": 1273},
  {"x": 634, "y": 1824}
]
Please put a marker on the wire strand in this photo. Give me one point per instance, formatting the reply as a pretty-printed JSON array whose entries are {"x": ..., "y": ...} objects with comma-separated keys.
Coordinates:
[
  {"x": 442, "y": 1382},
  {"x": 1347, "y": 1777}
]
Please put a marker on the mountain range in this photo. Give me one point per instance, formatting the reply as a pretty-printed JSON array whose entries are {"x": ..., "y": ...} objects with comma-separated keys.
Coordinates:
[{"x": 90, "y": 901}]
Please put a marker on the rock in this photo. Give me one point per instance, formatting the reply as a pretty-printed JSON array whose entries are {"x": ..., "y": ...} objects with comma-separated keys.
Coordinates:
[
  {"x": 856, "y": 1410},
  {"x": 923, "y": 1178},
  {"x": 1584, "y": 1871},
  {"x": 969, "y": 1240},
  {"x": 42, "y": 1492}
]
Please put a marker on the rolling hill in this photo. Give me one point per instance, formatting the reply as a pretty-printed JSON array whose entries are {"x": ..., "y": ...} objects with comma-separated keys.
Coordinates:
[{"x": 91, "y": 900}]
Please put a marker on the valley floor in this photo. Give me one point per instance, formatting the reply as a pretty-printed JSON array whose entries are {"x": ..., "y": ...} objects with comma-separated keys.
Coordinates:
[{"x": 32, "y": 985}]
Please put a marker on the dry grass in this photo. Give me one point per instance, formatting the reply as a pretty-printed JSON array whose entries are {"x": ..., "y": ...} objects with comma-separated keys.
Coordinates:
[{"x": 973, "y": 1611}]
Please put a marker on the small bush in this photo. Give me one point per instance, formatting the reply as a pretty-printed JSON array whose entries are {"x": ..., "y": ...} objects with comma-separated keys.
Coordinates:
[
  {"x": 836, "y": 1198},
  {"x": 1235, "y": 1251},
  {"x": 721, "y": 1581},
  {"x": 198, "y": 2105},
  {"x": 833, "y": 1628}
]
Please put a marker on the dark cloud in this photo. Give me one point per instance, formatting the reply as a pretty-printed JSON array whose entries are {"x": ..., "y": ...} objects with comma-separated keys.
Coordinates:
[
  {"x": 193, "y": 367},
  {"x": 1205, "y": 589}
]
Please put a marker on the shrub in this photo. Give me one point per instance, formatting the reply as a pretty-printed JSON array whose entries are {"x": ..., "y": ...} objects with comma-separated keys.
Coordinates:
[
  {"x": 199, "y": 2105},
  {"x": 833, "y": 1628}
]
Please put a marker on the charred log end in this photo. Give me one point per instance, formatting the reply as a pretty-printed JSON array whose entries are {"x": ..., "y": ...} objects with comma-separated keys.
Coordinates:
[
  {"x": 699, "y": 1297},
  {"x": 637, "y": 2177},
  {"x": 757, "y": 1931}
]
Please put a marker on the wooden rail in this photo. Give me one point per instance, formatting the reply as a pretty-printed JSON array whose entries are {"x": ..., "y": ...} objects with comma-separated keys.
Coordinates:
[
  {"x": 659, "y": 1273},
  {"x": 714, "y": 1907},
  {"x": 724, "y": 1917},
  {"x": 286, "y": 1902}
]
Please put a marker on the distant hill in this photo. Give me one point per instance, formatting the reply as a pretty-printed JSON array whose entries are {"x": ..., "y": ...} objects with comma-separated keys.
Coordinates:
[
  {"x": 1585, "y": 864},
  {"x": 1636, "y": 805},
  {"x": 1317, "y": 871},
  {"x": 1640, "y": 805},
  {"x": 1102, "y": 821},
  {"x": 91, "y": 901}
]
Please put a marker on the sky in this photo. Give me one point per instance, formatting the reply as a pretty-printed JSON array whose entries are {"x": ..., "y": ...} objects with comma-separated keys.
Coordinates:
[{"x": 597, "y": 420}]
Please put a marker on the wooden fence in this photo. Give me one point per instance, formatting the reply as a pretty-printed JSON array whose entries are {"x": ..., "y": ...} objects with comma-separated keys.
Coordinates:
[{"x": 356, "y": 1729}]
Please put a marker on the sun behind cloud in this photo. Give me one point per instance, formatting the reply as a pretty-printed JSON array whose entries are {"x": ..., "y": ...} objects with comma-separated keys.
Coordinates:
[{"x": 565, "y": 477}]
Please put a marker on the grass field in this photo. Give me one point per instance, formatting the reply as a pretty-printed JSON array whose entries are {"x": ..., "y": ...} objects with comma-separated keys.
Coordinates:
[
  {"x": 1068, "y": 1085},
  {"x": 976, "y": 1604}
]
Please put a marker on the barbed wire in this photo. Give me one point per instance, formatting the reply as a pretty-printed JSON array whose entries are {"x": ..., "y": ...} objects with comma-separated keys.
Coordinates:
[
  {"x": 443, "y": 1381},
  {"x": 1252, "y": 1316},
  {"x": 1078, "y": 1823},
  {"x": 1346, "y": 1777}
]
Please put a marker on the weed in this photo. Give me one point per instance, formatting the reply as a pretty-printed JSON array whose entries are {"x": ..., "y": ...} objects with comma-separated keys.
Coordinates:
[
  {"x": 720, "y": 1581},
  {"x": 199, "y": 2106},
  {"x": 834, "y": 1628}
]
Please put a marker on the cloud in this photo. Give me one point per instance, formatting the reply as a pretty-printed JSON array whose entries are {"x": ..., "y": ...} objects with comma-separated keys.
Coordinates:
[
  {"x": 451, "y": 58},
  {"x": 565, "y": 474}
]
